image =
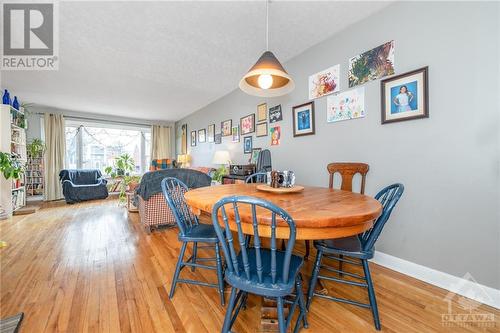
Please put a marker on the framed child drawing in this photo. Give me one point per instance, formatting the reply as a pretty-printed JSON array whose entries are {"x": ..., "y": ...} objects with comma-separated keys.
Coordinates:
[{"x": 405, "y": 96}]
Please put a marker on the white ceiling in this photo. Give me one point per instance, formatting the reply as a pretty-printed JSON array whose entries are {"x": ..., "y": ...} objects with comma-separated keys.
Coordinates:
[{"x": 165, "y": 60}]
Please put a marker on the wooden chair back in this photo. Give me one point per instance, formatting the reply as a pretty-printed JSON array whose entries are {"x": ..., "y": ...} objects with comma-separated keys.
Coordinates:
[{"x": 347, "y": 171}]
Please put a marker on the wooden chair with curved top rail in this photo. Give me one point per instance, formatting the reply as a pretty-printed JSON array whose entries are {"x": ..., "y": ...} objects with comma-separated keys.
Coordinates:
[{"x": 347, "y": 171}]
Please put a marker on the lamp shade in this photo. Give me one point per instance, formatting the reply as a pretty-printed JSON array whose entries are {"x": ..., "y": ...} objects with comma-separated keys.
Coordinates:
[
  {"x": 267, "y": 78},
  {"x": 221, "y": 157}
]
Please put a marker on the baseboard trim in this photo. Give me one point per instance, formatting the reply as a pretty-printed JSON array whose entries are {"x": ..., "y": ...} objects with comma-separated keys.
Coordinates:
[{"x": 465, "y": 286}]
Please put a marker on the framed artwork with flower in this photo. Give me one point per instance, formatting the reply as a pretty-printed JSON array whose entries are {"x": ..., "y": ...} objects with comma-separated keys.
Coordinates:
[
  {"x": 211, "y": 133},
  {"x": 247, "y": 124}
]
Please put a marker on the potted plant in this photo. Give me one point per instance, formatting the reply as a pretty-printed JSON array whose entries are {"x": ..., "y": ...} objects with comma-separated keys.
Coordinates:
[
  {"x": 217, "y": 177},
  {"x": 122, "y": 166},
  {"x": 121, "y": 169},
  {"x": 11, "y": 169},
  {"x": 35, "y": 147}
]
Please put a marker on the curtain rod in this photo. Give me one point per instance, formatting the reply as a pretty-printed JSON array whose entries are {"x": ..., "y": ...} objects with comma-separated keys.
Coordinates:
[
  {"x": 106, "y": 121},
  {"x": 103, "y": 120}
]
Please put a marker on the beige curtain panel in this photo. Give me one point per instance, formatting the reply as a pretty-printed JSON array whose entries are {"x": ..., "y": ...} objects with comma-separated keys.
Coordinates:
[
  {"x": 160, "y": 142},
  {"x": 55, "y": 142}
]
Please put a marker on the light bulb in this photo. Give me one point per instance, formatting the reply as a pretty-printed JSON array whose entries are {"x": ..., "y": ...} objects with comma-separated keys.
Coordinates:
[{"x": 265, "y": 81}]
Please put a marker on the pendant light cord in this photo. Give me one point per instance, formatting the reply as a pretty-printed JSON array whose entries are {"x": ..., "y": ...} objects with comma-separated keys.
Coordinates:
[{"x": 267, "y": 25}]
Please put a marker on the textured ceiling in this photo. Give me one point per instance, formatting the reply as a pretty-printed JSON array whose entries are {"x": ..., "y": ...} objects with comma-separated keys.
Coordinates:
[{"x": 165, "y": 60}]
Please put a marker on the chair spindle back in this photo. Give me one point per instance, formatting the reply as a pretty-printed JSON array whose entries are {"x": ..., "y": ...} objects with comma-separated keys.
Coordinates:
[
  {"x": 173, "y": 191},
  {"x": 235, "y": 204},
  {"x": 388, "y": 197},
  {"x": 258, "y": 177}
]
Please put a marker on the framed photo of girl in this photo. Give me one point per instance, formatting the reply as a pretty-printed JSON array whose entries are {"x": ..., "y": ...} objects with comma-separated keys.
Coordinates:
[{"x": 405, "y": 96}]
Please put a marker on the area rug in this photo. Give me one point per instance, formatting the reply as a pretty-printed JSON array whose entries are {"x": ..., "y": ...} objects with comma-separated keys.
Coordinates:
[{"x": 11, "y": 324}]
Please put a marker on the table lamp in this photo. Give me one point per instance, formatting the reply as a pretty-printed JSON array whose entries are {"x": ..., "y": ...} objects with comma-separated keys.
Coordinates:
[
  {"x": 221, "y": 157},
  {"x": 183, "y": 160}
]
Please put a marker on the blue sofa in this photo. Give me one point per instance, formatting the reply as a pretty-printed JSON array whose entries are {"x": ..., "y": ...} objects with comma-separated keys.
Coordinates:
[{"x": 82, "y": 185}]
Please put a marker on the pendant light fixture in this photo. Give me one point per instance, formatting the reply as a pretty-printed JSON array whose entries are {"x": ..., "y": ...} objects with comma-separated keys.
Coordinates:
[{"x": 267, "y": 78}]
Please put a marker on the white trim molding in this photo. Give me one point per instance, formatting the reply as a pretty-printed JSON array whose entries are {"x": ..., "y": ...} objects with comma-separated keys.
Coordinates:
[{"x": 465, "y": 286}]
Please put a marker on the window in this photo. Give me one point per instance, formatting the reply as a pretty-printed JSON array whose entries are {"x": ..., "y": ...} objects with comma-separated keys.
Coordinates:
[{"x": 96, "y": 145}]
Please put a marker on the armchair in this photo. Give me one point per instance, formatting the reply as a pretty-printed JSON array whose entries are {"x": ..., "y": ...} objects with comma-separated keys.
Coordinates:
[{"x": 82, "y": 185}]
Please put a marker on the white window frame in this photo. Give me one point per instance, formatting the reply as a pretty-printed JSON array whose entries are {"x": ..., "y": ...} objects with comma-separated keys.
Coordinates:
[{"x": 105, "y": 124}]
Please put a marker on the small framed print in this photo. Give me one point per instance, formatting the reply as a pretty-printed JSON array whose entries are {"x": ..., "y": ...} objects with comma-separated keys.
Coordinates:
[
  {"x": 225, "y": 127},
  {"x": 236, "y": 133},
  {"x": 247, "y": 145},
  {"x": 262, "y": 112},
  {"x": 247, "y": 124},
  {"x": 405, "y": 96},
  {"x": 275, "y": 114},
  {"x": 218, "y": 138},
  {"x": 211, "y": 133},
  {"x": 261, "y": 129},
  {"x": 202, "y": 136},
  {"x": 193, "y": 138},
  {"x": 255, "y": 155},
  {"x": 303, "y": 119}
]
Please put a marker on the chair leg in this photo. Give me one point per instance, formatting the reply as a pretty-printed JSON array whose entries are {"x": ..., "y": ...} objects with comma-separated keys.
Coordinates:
[
  {"x": 308, "y": 249},
  {"x": 229, "y": 312},
  {"x": 177, "y": 269},
  {"x": 281, "y": 316},
  {"x": 302, "y": 306},
  {"x": 195, "y": 254},
  {"x": 220, "y": 278},
  {"x": 371, "y": 294},
  {"x": 314, "y": 278},
  {"x": 341, "y": 256}
]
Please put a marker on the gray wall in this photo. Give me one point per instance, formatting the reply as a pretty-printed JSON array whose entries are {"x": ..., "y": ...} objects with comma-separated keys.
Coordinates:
[{"x": 448, "y": 218}]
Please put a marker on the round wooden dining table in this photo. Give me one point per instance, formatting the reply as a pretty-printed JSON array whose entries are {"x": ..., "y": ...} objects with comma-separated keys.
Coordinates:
[{"x": 319, "y": 213}]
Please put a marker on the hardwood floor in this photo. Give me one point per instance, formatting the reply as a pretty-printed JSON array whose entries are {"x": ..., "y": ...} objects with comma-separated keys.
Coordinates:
[{"x": 90, "y": 267}]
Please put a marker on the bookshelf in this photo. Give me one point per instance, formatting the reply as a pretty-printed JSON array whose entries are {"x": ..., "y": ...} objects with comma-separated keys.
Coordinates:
[
  {"x": 13, "y": 140},
  {"x": 34, "y": 175}
]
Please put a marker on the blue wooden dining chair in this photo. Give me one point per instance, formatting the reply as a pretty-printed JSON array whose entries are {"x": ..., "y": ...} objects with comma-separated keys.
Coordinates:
[
  {"x": 265, "y": 272},
  {"x": 258, "y": 177},
  {"x": 191, "y": 231},
  {"x": 355, "y": 247}
]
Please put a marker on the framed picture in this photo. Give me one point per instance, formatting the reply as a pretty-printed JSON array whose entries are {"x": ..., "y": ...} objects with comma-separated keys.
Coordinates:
[
  {"x": 261, "y": 129},
  {"x": 275, "y": 133},
  {"x": 247, "y": 145},
  {"x": 372, "y": 64},
  {"x": 202, "y": 136},
  {"x": 236, "y": 133},
  {"x": 211, "y": 133},
  {"x": 405, "y": 96},
  {"x": 218, "y": 138},
  {"x": 262, "y": 112},
  {"x": 247, "y": 124},
  {"x": 275, "y": 114},
  {"x": 193, "y": 138},
  {"x": 303, "y": 119},
  {"x": 255, "y": 155},
  {"x": 324, "y": 82},
  {"x": 184, "y": 139},
  {"x": 225, "y": 127}
]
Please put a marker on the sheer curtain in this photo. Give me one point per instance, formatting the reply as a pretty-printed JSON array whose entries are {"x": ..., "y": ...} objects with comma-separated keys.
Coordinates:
[
  {"x": 160, "y": 142},
  {"x": 55, "y": 143}
]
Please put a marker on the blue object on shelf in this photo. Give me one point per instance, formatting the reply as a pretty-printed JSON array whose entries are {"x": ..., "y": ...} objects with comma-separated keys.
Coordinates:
[
  {"x": 15, "y": 103},
  {"x": 6, "y": 97}
]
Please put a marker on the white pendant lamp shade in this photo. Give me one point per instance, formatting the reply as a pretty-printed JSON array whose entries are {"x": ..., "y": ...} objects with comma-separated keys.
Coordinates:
[{"x": 267, "y": 78}]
